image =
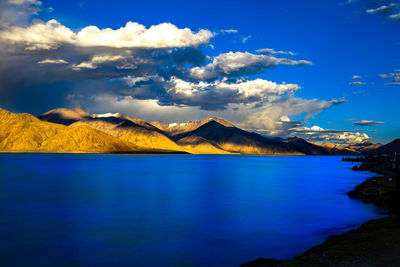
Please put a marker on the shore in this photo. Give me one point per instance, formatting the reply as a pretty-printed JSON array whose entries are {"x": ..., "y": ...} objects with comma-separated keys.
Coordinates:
[{"x": 374, "y": 243}]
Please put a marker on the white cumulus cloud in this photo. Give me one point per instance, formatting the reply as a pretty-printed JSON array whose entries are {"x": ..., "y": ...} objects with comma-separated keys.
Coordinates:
[
  {"x": 240, "y": 63},
  {"x": 52, "y": 34}
]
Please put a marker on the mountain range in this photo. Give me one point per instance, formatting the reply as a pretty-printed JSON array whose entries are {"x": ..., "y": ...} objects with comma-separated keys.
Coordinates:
[{"x": 74, "y": 130}]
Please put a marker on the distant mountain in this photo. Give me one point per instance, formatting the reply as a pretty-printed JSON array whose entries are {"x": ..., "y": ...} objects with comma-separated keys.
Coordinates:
[
  {"x": 389, "y": 149},
  {"x": 173, "y": 129},
  {"x": 132, "y": 130},
  {"x": 227, "y": 136},
  {"x": 64, "y": 116},
  {"x": 230, "y": 138},
  {"x": 74, "y": 130},
  {"x": 364, "y": 147},
  {"x": 313, "y": 149},
  {"x": 26, "y": 133}
]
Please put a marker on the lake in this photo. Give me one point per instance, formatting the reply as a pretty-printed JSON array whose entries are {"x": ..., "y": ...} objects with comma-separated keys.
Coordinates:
[{"x": 171, "y": 210}]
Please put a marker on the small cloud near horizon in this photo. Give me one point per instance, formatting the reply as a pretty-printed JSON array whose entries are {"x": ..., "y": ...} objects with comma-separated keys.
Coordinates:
[
  {"x": 367, "y": 123},
  {"x": 357, "y": 83}
]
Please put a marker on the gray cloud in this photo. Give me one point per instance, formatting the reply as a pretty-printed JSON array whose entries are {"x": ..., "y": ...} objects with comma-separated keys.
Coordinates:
[
  {"x": 383, "y": 9},
  {"x": 214, "y": 95},
  {"x": 387, "y": 9},
  {"x": 320, "y": 135},
  {"x": 393, "y": 76},
  {"x": 273, "y": 51},
  {"x": 357, "y": 83},
  {"x": 367, "y": 122}
]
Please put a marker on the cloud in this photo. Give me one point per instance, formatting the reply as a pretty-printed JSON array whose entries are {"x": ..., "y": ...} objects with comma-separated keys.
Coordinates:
[
  {"x": 235, "y": 64},
  {"x": 246, "y": 38},
  {"x": 14, "y": 12},
  {"x": 367, "y": 123},
  {"x": 387, "y": 9},
  {"x": 394, "y": 76},
  {"x": 272, "y": 51},
  {"x": 215, "y": 95},
  {"x": 348, "y": 2},
  {"x": 52, "y": 35},
  {"x": 395, "y": 17},
  {"x": 383, "y": 9},
  {"x": 229, "y": 31},
  {"x": 33, "y": 6},
  {"x": 320, "y": 135},
  {"x": 52, "y": 61},
  {"x": 119, "y": 61},
  {"x": 357, "y": 83}
]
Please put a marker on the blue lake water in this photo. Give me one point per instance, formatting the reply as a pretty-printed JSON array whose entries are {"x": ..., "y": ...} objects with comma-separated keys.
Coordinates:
[{"x": 171, "y": 210}]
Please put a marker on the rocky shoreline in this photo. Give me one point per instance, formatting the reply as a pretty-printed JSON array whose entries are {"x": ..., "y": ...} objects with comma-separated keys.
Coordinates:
[{"x": 374, "y": 243}]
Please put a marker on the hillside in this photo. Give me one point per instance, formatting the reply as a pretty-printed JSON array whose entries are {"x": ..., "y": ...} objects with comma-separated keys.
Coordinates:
[
  {"x": 26, "y": 133},
  {"x": 64, "y": 116},
  {"x": 389, "y": 149},
  {"x": 173, "y": 129},
  {"x": 364, "y": 147},
  {"x": 235, "y": 140},
  {"x": 74, "y": 130},
  {"x": 309, "y": 148},
  {"x": 132, "y": 130}
]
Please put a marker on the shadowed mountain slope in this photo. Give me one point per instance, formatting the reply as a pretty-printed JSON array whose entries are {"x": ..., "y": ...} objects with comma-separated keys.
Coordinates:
[
  {"x": 364, "y": 147},
  {"x": 26, "y": 133},
  {"x": 309, "y": 148},
  {"x": 235, "y": 140},
  {"x": 201, "y": 145},
  {"x": 121, "y": 133},
  {"x": 132, "y": 132},
  {"x": 389, "y": 149},
  {"x": 181, "y": 128},
  {"x": 135, "y": 131},
  {"x": 305, "y": 147},
  {"x": 64, "y": 116}
]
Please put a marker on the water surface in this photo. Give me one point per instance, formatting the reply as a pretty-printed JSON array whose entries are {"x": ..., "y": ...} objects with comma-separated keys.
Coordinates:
[{"x": 171, "y": 210}]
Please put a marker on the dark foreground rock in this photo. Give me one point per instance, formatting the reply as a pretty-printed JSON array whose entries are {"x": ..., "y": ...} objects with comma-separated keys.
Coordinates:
[
  {"x": 374, "y": 243},
  {"x": 377, "y": 190}
]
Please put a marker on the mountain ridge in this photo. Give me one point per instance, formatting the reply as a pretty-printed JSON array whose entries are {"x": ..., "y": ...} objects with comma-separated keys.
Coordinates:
[
  {"x": 74, "y": 130},
  {"x": 23, "y": 132}
]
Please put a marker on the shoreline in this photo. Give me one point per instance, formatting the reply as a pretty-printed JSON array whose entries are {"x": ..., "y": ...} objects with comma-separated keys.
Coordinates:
[{"x": 373, "y": 243}]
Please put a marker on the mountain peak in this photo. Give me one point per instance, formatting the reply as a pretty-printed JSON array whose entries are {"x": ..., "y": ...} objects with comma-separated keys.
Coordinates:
[
  {"x": 64, "y": 116},
  {"x": 219, "y": 120}
]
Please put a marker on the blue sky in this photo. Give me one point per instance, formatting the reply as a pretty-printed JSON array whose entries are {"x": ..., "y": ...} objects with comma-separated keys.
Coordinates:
[{"x": 339, "y": 39}]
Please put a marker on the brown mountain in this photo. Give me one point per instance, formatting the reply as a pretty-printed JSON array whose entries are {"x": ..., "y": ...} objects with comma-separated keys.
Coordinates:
[
  {"x": 230, "y": 138},
  {"x": 225, "y": 135},
  {"x": 389, "y": 149},
  {"x": 128, "y": 129},
  {"x": 74, "y": 130},
  {"x": 64, "y": 116},
  {"x": 173, "y": 129},
  {"x": 364, "y": 147},
  {"x": 26, "y": 133},
  {"x": 309, "y": 148}
]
